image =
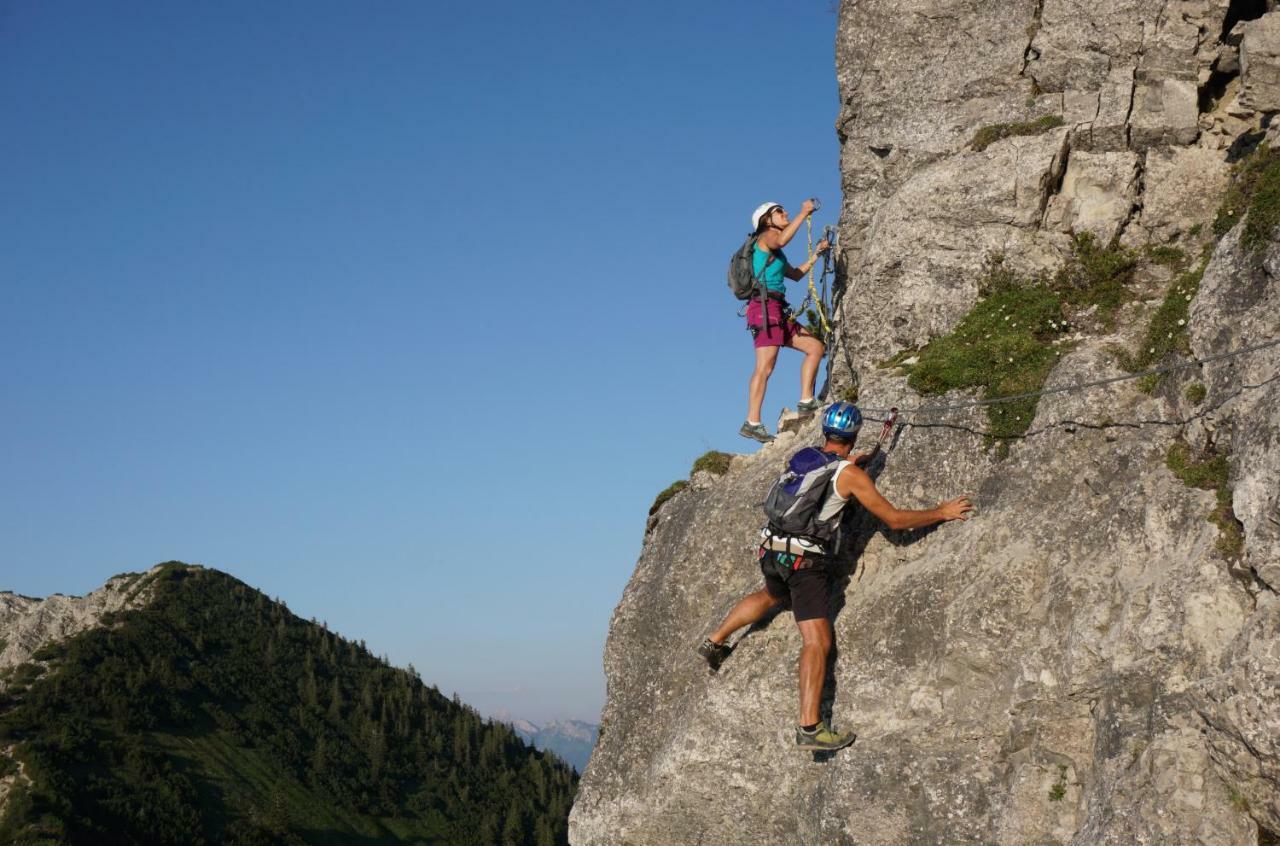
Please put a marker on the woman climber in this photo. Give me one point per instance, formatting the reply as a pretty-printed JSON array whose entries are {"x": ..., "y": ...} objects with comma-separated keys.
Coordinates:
[{"x": 774, "y": 230}]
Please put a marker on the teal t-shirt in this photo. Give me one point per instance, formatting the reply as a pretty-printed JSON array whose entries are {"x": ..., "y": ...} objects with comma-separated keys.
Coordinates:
[{"x": 775, "y": 274}]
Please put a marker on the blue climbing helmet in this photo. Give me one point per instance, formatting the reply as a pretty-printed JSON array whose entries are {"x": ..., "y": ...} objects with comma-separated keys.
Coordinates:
[{"x": 841, "y": 419}]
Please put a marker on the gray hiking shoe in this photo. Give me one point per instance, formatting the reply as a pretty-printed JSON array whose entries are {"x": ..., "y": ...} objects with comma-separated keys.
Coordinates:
[
  {"x": 808, "y": 406},
  {"x": 823, "y": 739},
  {"x": 755, "y": 431},
  {"x": 715, "y": 653}
]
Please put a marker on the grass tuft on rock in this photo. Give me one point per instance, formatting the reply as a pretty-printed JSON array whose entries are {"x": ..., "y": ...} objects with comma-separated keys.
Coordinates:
[
  {"x": 1012, "y": 337},
  {"x": 1059, "y": 790},
  {"x": 1253, "y": 193},
  {"x": 670, "y": 491},
  {"x": 988, "y": 135},
  {"x": 1167, "y": 331},
  {"x": 1166, "y": 256},
  {"x": 1004, "y": 345},
  {"x": 1096, "y": 275},
  {"x": 1195, "y": 393},
  {"x": 1210, "y": 471},
  {"x": 713, "y": 461}
]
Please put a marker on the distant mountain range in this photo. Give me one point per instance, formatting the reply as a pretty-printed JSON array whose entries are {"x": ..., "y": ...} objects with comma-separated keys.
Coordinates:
[{"x": 570, "y": 740}]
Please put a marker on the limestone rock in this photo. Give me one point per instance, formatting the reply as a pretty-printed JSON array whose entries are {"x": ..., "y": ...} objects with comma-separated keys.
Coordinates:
[
  {"x": 1183, "y": 185},
  {"x": 1097, "y": 194},
  {"x": 1260, "y": 64},
  {"x": 1164, "y": 112}
]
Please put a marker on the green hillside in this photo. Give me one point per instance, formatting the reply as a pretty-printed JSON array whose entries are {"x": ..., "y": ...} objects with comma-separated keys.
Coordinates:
[{"x": 214, "y": 715}]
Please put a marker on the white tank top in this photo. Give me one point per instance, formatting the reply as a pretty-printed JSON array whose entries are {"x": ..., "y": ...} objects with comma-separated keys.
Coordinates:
[{"x": 834, "y": 502}]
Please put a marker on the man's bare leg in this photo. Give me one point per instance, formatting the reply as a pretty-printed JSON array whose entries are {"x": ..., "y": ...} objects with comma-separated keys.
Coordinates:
[
  {"x": 813, "y": 666},
  {"x": 750, "y": 609}
]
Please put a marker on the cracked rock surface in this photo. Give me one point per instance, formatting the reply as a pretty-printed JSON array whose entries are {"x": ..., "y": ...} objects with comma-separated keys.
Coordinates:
[{"x": 1080, "y": 663}]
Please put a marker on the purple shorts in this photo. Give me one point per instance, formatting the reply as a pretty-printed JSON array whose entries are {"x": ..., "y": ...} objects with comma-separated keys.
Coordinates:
[{"x": 780, "y": 331}]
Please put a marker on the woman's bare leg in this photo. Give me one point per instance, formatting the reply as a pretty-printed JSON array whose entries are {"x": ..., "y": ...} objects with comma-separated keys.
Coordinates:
[
  {"x": 813, "y": 351},
  {"x": 766, "y": 358}
]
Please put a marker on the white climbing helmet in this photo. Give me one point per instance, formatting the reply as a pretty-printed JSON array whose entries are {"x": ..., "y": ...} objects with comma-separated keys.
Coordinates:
[{"x": 761, "y": 211}]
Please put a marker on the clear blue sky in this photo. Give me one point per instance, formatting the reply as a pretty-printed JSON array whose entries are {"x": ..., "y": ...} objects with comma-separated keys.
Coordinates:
[{"x": 401, "y": 312}]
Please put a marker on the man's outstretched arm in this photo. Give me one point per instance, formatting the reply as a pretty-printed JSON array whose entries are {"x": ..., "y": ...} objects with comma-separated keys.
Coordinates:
[{"x": 854, "y": 481}]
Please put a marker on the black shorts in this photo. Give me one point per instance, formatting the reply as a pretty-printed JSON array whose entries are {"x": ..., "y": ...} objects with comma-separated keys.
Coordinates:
[{"x": 809, "y": 588}]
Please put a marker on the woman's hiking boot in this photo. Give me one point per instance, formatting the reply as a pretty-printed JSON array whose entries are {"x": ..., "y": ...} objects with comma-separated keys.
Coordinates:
[
  {"x": 823, "y": 739},
  {"x": 715, "y": 653},
  {"x": 755, "y": 431},
  {"x": 809, "y": 406}
]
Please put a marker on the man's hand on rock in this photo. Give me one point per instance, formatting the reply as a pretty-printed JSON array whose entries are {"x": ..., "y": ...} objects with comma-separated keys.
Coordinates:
[{"x": 956, "y": 509}]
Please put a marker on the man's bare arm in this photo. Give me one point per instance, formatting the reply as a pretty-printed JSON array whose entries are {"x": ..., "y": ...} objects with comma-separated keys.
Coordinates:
[{"x": 854, "y": 481}]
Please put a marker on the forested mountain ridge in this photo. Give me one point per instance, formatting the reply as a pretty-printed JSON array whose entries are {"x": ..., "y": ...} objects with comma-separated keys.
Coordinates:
[{"x": 212, "y": 714}]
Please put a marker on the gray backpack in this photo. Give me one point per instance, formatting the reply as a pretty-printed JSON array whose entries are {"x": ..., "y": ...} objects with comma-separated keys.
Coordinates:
[
  {"x": 742, "y": 278},
  {"x": 795, "y": 500}
]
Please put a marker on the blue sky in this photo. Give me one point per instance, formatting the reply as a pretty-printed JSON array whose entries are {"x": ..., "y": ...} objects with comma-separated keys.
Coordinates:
[{"x": 401, "y": 312}]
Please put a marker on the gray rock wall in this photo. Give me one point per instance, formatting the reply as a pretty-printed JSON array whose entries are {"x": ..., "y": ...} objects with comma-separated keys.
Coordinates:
[{"x": 1079, "y": 663}]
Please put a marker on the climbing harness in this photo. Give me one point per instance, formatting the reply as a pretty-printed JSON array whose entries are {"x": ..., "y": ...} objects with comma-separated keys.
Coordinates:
[
  {"x": 787, "y": 543},
  {"x": 1080, "y": 386}
]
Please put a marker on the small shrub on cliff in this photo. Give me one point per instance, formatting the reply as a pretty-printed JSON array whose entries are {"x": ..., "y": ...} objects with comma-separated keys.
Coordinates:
[
  {"x": 988, "y": 135},
  {"x": 1195, "y": 393},
  {"x": 1210, "y": 471},
  {"x": 713, "y": 461}
]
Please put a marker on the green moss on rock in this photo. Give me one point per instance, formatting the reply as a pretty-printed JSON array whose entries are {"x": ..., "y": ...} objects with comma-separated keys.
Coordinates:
[{"x": 988, "y": 135}]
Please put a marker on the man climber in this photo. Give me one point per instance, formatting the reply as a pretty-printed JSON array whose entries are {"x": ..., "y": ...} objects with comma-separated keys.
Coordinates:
[{"x": 796, "y": 567}]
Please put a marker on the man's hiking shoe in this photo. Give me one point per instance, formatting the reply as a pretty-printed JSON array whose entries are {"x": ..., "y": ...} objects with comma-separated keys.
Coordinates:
[
  {"x": 808, "y": 406},
  {"x": 715, "y": 653},
  {"x": 823, "y": 739},
  {"x": 755, "y": 431}
]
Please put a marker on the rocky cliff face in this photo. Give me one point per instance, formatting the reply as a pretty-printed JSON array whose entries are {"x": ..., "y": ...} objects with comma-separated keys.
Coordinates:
[
  {"x": 1090, "y": 660},
  {"x": 26, "y": 624}
]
